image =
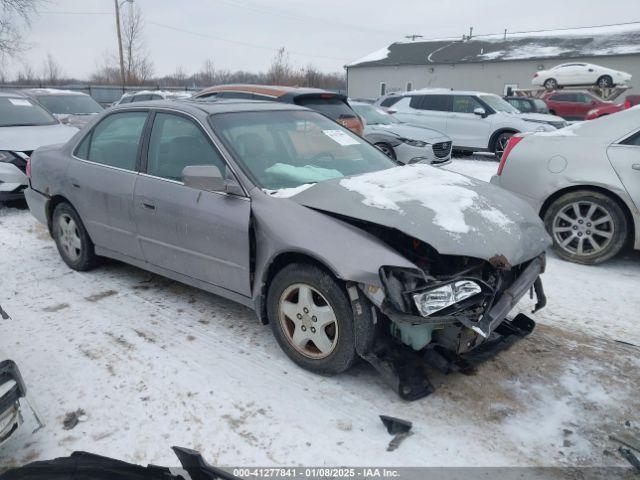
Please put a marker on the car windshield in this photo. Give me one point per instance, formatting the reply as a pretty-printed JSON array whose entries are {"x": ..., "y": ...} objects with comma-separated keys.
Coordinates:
[
  {"x": 373, "y": 115},
  {"x": 286, "y": 149},
  {"x": 498, "y": 104},
  {"x": 70, "y": 104},
  {"x": 540, "y": 105},
  {"x": 17, "y": 112}
]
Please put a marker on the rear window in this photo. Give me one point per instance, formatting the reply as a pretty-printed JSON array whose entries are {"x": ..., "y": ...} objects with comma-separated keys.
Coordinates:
[
  {"x": 15, "y": 112},
  {"x": 334, "y": 108}
]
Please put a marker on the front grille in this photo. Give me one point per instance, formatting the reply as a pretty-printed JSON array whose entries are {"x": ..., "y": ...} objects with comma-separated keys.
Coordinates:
[{"x": 442, "y": 149}]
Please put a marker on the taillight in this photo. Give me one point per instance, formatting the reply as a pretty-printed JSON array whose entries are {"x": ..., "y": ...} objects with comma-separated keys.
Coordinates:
[
  {"x": 513, "y": 141},
  {"x": 535, "y": 75},
  {"x": 627, "y": 104},
  {"x": 28, "y": 167}
]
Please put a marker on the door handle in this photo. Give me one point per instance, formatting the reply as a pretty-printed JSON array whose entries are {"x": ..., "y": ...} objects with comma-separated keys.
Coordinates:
[
  {"x": 148, "y": 206},
  {"x": 636, "y": 166}
]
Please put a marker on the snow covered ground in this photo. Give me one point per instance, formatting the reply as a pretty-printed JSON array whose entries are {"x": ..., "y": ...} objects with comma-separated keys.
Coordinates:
[{"x": 154, "y": 363}]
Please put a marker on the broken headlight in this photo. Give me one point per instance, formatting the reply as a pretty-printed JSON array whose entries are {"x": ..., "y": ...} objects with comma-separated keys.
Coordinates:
[{"x": 444, "y": 296}]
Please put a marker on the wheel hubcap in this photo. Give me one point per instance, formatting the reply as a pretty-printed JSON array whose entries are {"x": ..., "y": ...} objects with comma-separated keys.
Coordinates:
[
  {"x": 583, "y": 228},
  {"x": 501, "y": 144},
  {"x": 308, "y": 321},
  {"x": 69, "y": 237}
]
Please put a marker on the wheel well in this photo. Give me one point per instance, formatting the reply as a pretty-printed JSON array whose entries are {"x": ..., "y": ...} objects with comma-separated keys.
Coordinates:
[
  {"x": 51, "y": 206},
  {"x": 277, "y": 264},
  {"x": 627, "y": 213},
  {"x": 496, "y": 134}
]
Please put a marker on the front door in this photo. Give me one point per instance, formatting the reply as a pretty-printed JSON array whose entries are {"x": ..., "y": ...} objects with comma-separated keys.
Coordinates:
[
  {"x": 465, "y": 127},
  {"x": 204, "y": 235},
  {"x": 101, "y": 181}
]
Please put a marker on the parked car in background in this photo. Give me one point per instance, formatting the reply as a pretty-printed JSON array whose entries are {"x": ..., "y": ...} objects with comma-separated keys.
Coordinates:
[
  {"x": 475, "y": 121},
  {"x": 146, "y": 95},
  {"x": 630, "y": 101},
  {"x": 401, "y": 141},
  {"x": 296, "y": 217},
  {"x": 568, "y": 74},
  {"x": 333, "y": 105},
  {"x": 387, "y": 101},
  {"x": 24, "y": 126},
  {"x": 528, "y": 104},
  {"x": 572, "y": 105},
  {"x": 71, "y": 107},
  {"x": 584, "y": 181}
]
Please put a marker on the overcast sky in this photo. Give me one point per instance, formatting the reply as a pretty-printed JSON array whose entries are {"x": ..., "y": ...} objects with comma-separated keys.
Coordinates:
[{"x": 243, "y": 34}]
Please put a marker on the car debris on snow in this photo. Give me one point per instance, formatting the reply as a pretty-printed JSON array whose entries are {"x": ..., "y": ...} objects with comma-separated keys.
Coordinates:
[{"x": 400, "y": 429}]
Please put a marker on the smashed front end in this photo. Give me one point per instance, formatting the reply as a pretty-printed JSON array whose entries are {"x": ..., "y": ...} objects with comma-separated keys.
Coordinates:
[
  {"x": 452, "y": 304},
  {"x": 12, "y": 389}
]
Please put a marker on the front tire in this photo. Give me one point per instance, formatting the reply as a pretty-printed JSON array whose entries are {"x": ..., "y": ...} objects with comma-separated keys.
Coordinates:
[
  {"x": 500, "y": 144},
  {"x": 73, "y": 242},
  {"x": 311, "y": 318},
  {"x": 586, "y": 227},
  {"x": 605, "y": 81}
]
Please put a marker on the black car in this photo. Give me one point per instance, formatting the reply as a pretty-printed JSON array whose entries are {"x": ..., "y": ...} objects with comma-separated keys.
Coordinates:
[{"x": 528, "y": 105}]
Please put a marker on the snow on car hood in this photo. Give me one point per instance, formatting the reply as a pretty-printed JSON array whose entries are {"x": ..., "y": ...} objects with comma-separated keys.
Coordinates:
[
  {"x": 30, "y": 138},
  {"x": 541, "y": 117},
  {"x": 412, "y": 132},
  {"x": 455, "y": 214}
]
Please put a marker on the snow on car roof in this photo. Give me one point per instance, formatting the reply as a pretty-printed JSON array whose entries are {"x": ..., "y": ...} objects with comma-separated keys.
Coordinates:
[
  {"x": 568, "y": 43},
  {"x": 53, "y": 91}
]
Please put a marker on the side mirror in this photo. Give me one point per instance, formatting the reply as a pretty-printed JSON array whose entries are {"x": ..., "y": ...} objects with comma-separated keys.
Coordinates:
[
  {"x": 480, "y": 112},
  {"x": 203, "y": 177}
]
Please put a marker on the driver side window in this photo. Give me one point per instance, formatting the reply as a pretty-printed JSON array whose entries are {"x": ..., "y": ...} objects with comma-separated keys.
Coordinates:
[{"x": 177, "y": 142}]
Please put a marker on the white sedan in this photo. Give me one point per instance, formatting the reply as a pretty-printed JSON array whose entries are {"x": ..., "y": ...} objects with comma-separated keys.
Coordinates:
[{"x": 579, "y": 74}]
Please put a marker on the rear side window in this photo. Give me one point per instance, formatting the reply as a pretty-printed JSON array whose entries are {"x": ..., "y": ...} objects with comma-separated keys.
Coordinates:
[
  {"x": 114, "y": 141},
  {"x": 334, "y": 108},
  {"x": 126, "y": 100},
  {"x": 437, "y": 103},
  {"x": 633, "y": 140},
  {"x": 240, "y": 95},
  {"x": 524, "y": 106},
  {"x": 563, "y": 97},
  {"x": 387, "y": 102},
  {"x": 141, "y": 98}
]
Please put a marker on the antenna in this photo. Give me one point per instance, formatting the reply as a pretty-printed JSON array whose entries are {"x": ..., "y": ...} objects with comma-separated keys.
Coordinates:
[{"x": 413, "y": 37}]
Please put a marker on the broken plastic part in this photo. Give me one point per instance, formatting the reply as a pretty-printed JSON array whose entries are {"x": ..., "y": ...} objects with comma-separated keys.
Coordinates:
[{"x": 395, "y": 425}]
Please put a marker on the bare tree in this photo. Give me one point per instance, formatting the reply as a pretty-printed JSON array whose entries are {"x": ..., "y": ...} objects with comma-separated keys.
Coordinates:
[
  {"x": 138, "y": 68},
  {"x": 280, "y": 71},
  {"x": 14, "y": 19},
  {"x": 207, "y": 75},
  {"x": 27, "y": 75},
  {"x": 51, "y": 70},
  {"x": 107, "y": 71}
]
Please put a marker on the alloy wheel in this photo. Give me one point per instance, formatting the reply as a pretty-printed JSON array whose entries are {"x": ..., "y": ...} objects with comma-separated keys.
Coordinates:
[
  {"x": 69, "y": 237},
  {"x": 501, "y": 144},
  {"x": 308, "y": 321},
  {"x": 583, "y": 228}
]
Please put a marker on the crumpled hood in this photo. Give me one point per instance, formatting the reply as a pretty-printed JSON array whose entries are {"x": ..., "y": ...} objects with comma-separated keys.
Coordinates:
[
  {"x": 412, "y": 132},
  {"x": 455, "y": 214},
  {"x": 29, "y": 138}
]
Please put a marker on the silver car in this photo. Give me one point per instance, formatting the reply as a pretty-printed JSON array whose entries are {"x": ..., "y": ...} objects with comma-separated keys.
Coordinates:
[
  {"x": 584, "y": 181},
  {"x": 69, "y": 106},
  {"x": 401, "y": 141},
  {"x": 279, "y": 208},
  {"x": 24, "y": 126}
]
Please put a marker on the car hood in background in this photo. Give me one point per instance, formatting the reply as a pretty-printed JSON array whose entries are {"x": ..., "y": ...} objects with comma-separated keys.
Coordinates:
[
  {"x": 412, "y": 132},
  {"x": 541, "y": 117},
  {"x": 455, "y": 214},
  {"x": 29, "y": 138}
]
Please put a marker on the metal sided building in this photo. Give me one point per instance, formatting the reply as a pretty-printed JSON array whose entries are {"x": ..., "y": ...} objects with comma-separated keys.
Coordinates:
[{"x": 492, "y": 63}]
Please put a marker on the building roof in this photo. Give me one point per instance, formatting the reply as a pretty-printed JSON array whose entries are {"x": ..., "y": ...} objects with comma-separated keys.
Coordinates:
[{"x": 556, "y": 44}]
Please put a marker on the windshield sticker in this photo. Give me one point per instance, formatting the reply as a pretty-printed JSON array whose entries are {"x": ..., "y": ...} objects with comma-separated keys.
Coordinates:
[
  {"x": 20, "y": 102},
  {"x": 341, "y": 137}
]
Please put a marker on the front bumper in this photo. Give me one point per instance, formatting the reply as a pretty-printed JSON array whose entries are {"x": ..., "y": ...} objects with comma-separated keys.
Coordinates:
[
  {"x": 409, "y": 154},
  {"x": 12, "y": 389},
  {"x": 12, "y": 182}
]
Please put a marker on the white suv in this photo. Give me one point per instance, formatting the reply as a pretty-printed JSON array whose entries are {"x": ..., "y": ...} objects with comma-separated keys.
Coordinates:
[{"x": 475, "y": 121}]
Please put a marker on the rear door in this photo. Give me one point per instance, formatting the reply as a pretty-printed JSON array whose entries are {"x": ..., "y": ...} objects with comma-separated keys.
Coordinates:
[
  {"x": 203, "y": 235},
  {"x": 583, "y": 103},
  {"x": 465, "y": 127},
  {"x": 625, "y": 158},
  {"x": 431, "y": 111},
  {"x": 101, "y": 180}
]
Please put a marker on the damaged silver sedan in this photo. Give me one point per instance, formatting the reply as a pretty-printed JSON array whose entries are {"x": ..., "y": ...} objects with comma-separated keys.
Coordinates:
[{"x": 345, "y": 253}]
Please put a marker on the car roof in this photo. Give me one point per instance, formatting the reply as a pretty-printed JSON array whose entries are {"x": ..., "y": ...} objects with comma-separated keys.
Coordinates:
[
  {"x": 52, "y": 91},
  {"x": 210, "y": 107},
  {"x": 447, "y": 91},
  {"x": 11, "y": 93},
  {"x": 276, "y": 91}
]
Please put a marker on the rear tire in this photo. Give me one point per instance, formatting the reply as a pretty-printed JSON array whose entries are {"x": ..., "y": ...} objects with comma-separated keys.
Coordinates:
[
  {"x": 73, "y": 242},
  {"x": 587, "y": 227},
  {"x": 551, "y": 84},
  {"x": 301, "y": 298}
]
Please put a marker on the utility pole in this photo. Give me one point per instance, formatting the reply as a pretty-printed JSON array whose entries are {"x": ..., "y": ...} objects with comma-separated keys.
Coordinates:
[{"x": 119, "y": 41}]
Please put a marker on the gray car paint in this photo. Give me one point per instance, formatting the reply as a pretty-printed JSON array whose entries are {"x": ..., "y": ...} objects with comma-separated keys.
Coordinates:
[
  {"x": 281, "y": 225},
  {"x": 587, "y": 154}
]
